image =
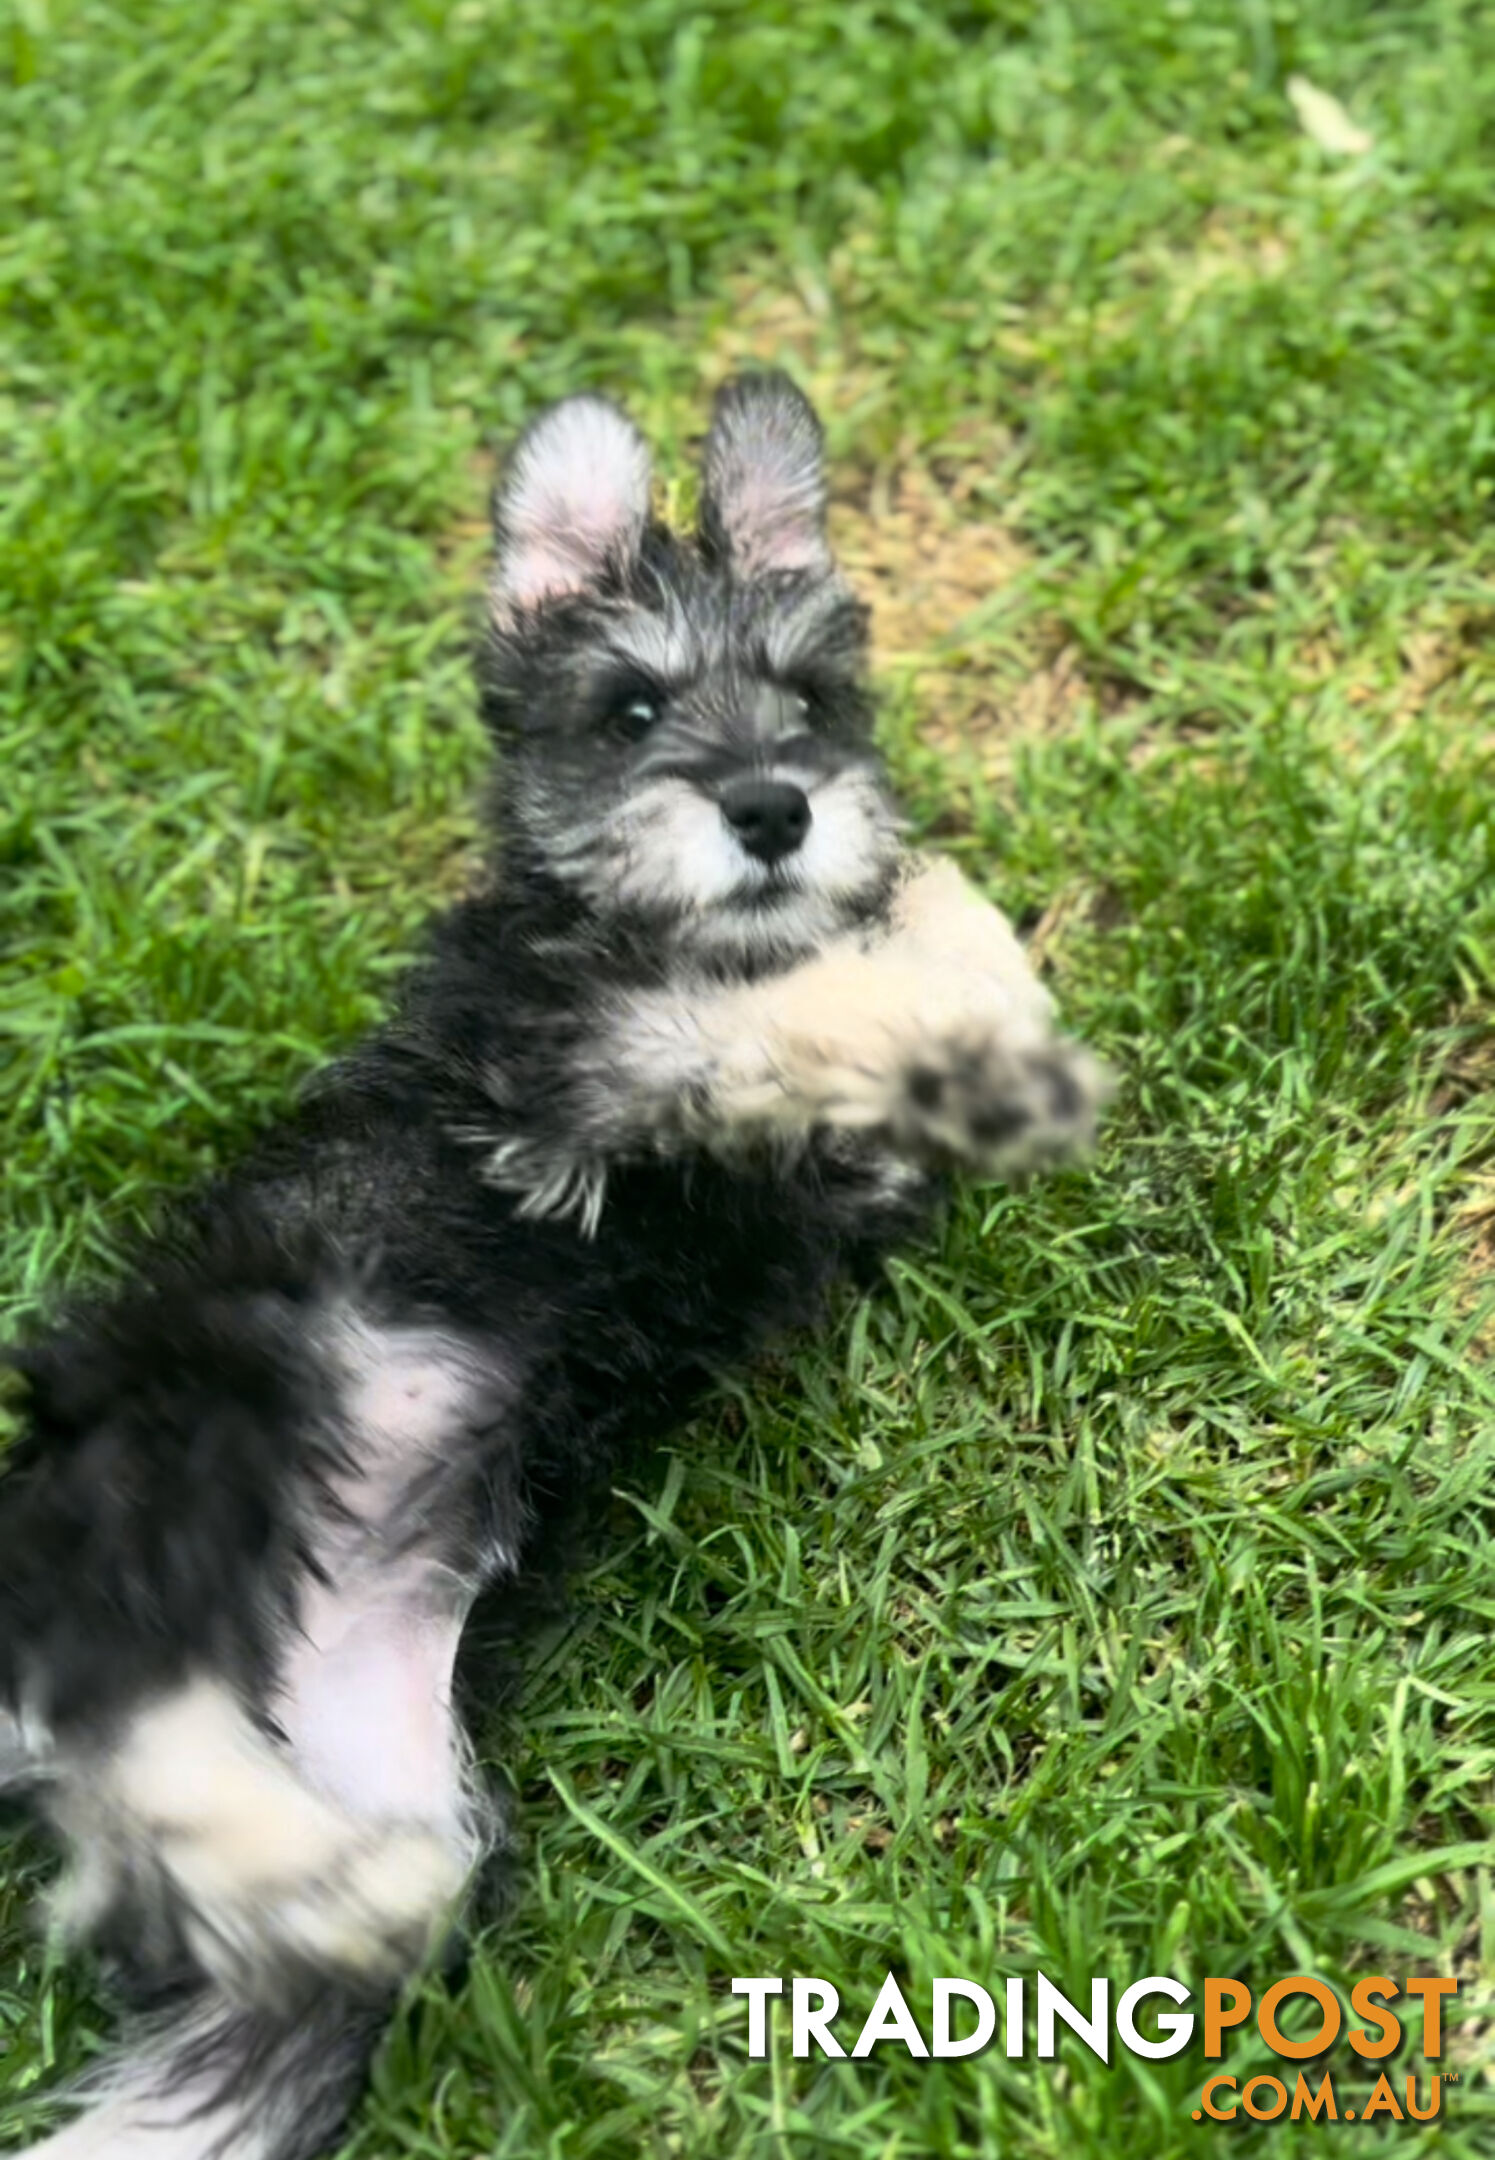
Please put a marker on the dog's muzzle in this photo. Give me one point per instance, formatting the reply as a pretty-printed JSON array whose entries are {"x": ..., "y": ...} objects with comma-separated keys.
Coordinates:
[{"x": 769, "y": 817}]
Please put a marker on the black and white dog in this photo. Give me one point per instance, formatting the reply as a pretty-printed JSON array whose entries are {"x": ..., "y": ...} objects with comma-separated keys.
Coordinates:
[{"x": 702, "y": 1047}]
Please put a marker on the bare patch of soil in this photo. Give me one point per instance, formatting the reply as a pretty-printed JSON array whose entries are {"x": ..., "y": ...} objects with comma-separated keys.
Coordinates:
[
  {"x": 934, "y": 567},
  {"x": 930, "y": 569}
]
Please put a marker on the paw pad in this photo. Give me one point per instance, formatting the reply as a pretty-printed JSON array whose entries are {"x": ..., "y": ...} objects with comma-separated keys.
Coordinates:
[
  {"x": 977, "y": 1100},
  {"x": 926, "y": 1087}
]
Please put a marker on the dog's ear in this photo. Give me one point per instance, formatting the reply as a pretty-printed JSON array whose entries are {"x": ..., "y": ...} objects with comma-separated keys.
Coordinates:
[
  {"x": 570, "y": 511},
  {"x": 763, "y": 478}
]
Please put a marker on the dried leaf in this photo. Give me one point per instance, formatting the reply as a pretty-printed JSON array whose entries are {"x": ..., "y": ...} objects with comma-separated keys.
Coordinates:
[{"x": 1324, "y": 120}]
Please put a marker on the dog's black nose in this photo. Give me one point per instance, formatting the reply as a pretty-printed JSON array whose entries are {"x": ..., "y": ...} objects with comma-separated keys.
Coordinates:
[{"x": 769, "y": 817}]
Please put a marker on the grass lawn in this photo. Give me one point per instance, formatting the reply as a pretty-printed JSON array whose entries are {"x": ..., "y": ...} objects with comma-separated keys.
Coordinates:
[{"x": 1111, "y": 1593}]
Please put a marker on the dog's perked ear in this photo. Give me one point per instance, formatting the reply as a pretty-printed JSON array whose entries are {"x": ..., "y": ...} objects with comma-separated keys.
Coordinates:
[
  {"x": 570, "y": 510},
  {"x": 763, "y": 479}
]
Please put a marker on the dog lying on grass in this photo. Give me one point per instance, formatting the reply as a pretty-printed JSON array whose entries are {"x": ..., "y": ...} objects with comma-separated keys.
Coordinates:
[{"x": 705, "y": 1045}]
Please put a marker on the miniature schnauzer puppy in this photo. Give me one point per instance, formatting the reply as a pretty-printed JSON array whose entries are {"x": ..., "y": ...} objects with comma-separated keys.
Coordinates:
[{"x": 703, "y": 1045}]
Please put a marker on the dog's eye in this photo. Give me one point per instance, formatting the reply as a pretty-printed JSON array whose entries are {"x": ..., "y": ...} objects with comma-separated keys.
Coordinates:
[
  {"x": 808, "y": 703},
  {"x": 635, "y": 713}
]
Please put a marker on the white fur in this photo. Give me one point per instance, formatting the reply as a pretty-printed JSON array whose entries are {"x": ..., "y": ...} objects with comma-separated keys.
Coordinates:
[
  {"x": 764, "y": 471},
  {"x": 259, "y": 1866},
  {"x": 138, "y": 2122},
  {"x": 576, "y": 497},
  {"x": 365, "y": 1693},
  {"x": 929, "y": 1029},
  {"x": 548, "y": 1183},
  {"x": 17, "y": 1756},
  {"x": 671, "y": 849},
  {"x": 793, "y": 633},
  {"x": 142, "y": 2109},
  {"x": 659, "y": 640},
  {"x": 344, "y": 1846}
]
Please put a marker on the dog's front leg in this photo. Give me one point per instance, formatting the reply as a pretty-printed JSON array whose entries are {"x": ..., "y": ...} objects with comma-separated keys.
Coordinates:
[
  {"x": 993, "y": 1081},
  {"x": 935, "y": 1036}
]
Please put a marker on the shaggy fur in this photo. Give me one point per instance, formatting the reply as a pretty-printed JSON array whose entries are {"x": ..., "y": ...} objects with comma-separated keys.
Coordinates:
[{"x": 701, "y": 1048}]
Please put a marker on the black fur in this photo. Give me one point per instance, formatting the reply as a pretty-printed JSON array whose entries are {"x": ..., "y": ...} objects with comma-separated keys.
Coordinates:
[{"x": 155, "y": 1509}]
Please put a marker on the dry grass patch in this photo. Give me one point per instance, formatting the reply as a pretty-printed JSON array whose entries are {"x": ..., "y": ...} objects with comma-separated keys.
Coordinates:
[
  {"x": 1439, "y": 666},
  {"x": 920, "y": 545}
]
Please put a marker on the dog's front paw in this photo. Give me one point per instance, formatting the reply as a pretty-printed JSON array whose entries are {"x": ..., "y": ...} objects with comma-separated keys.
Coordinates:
[
  {"x": 975, "y": 1100},
  {"x": 941, "y": 1063}
]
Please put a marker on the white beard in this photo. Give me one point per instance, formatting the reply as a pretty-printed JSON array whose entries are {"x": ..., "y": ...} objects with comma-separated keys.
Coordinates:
[{"x": 671, "y": 852}]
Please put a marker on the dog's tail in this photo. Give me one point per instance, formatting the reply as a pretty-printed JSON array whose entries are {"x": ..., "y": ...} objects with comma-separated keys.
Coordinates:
[{"x": 210, "y": 2081}]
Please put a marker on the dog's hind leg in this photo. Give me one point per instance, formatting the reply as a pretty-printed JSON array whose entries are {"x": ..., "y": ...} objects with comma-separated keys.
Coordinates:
[
  {"x": 303, "y": 1915},
  {"x": 310, "y": 1852},
  {"x": 365, "y": 1702},
  {"x": 363, "y": 1691},
  {"x": 307, "y": 1873},
  {"x": 324, "y": 1830},
  {"x": 204, "y": 1826}
]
